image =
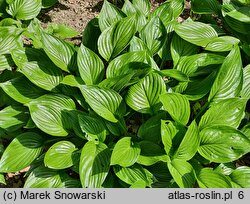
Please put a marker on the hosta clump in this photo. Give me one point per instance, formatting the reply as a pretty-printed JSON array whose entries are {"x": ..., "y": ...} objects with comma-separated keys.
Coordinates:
[{"x": 144, "y": 101}]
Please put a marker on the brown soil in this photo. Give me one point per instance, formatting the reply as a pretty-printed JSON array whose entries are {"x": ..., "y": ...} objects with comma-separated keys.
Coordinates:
[{"x": 74, "y": 13}]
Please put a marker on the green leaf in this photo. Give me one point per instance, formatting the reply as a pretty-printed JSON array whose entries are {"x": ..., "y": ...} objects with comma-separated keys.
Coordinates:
[
  {"x": 6, "y": 62},
  {"x": 10, "y": 39},
  {"x": 180, "y": 48},
  {"x": 42, "y": 177},
  {"x": 169, "y": 11},
  {"x": 13, "y": 117},
  {"x": 27, "y": 54},
  {"x": 228, "y": 112},
  {"x": 222, "y": 44},
  {"x": 24, "y": 9},
  {"x": 129, "y": 9},
  {"x": 182, "y": 172},
  {"x": 132, "y": 174},
  {"x": 196, "y": 33},
  {"x": 109, "y": 15},
  {"x": 117, "y": 83},
  {"x": 125, "y": 152},
  {"x": 144, "y": 96},
  {"x": 21, "y": 152},
  {"x": 151, "y": 153},
  {"x": 168, "y": 132},
  {"x": 223, "y": 144},
  {"x": 237, "y": 18},
  {"x": 90, "y": 66},
  {"x": 142, "y": 5},
  {"x": 72, "y": 80},
  {"x": 139, "y": 184},
  {"x": 245, "y": 92},
  {"x": 197, "y": 64},
  {"x": 198, "y": 88},
  {"x": 175, "y": 74},
  {"x": 150, "y": 130},
  {"x": 246, "y": 130},
  {"x": 2, "y": 179},
  {"x": 177, "y": 106},
  {"x": 94, "y": 164},
  {"x": 115, "y": 39},
  {"x": 45, "y": 75},
  {"x": 60, "y": 52},
  {"x": 190, "y": 143},
  {"x": 91, "y": 34},
  {"x": 154, "y": 34},
  {"x": 228, "y": 82},
  {"x": 48, "y": 3},
  {"x": 205, "y": 6},
  {"x": 207, "y": 178},
  {"x": 105, "y": 102},
  {"x": 61, "y": 30},
  {"x": 47, "y": 113},
  {"x": 130, "y": 62},
  {"x": 21, "y": 89},
  {"x": 92, "y": 127},
  {"x": 60, "y": 155},
  {"x": 136, "y": 44},
  {"x": 241, "y": 176}
]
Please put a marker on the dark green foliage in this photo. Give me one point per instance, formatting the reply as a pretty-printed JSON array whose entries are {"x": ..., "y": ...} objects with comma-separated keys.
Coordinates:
[{"x": 144, "y": 101}]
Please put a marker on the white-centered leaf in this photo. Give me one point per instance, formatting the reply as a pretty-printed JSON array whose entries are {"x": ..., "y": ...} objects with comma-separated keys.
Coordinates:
[
  {"x": 223, "y": 144},
  {"x": 144, "y": 96},
  {"x": 47, "y": 112},
  {"x": 90, "y": 66},
  {"x": 177, "y": 106},
  {"x": 105, "y": 102},
  {"x": 94, "y": 164},
  {"x": 125, "y": 153},
  {"x": 60, "y": 155},
  {"x": 21, "y": 152}
]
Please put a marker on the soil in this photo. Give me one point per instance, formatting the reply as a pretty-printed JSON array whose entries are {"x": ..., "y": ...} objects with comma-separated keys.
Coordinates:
[{"x": 73, "y": 13}]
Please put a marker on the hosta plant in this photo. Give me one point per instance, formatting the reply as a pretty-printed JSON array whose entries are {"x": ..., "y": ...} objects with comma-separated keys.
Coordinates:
[{"x": 144, "y": 101}]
